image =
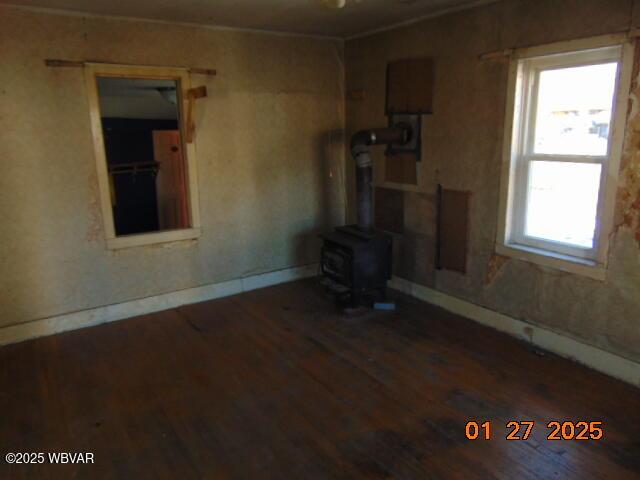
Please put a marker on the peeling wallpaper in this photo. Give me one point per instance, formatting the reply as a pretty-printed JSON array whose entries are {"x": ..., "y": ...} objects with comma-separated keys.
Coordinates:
[
  {"x": 628, "y": 198},
  {"x": 269, "y": 156},
  {"x": 462, "y": 149}
]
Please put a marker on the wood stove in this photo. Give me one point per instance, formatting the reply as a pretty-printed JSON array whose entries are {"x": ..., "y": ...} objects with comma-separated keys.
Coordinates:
[
  {"x": 357, "y": 263},
  {"x": 356, "y": 259}
]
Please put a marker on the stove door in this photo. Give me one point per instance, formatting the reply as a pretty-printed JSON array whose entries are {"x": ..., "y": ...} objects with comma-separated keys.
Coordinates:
[{"x": 336, "y": 264}]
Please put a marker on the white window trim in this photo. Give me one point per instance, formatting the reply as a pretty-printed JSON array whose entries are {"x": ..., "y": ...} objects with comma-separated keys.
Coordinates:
[
  {"x": 592, "y": 268},
  {"x": 181, "y": 76}
]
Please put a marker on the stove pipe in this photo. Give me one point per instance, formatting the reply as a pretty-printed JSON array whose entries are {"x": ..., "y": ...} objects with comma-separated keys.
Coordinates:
[{"x": 360, "y": 143}]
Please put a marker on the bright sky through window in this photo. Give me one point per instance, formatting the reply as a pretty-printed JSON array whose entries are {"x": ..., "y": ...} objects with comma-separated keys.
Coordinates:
[
  {"x": 573, "y": 117},
  {"x": 574, "y": 110}
]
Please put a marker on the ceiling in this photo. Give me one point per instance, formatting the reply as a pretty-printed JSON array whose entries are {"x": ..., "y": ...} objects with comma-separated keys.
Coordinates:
[
  {"x": 137, "y": 98},
  {"x": 290, "y": 16},
  {"x": 132, "y": 87}
]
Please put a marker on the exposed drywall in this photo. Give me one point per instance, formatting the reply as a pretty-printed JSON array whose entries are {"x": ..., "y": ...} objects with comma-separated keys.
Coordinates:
[
  {"x": 462, "y": 149},
  {"x": 269, "y": 156}
]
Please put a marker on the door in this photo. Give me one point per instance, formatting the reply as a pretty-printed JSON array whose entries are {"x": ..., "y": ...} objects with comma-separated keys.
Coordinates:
[{"x": 173, "y": 211}]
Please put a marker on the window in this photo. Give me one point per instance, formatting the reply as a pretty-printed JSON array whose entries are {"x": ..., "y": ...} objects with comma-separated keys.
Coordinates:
[
  {"x": 145, "y": 168},
  {"x": 566, "y": 115}
]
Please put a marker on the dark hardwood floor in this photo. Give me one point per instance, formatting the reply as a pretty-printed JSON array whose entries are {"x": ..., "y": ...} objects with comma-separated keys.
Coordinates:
[{"x": 274, "y": 384}]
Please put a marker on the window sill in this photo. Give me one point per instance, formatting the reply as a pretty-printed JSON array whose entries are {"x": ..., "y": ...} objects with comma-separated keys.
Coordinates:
[
  {"x": 566, "y": 263},
  {"x": 140, "y": 240}
]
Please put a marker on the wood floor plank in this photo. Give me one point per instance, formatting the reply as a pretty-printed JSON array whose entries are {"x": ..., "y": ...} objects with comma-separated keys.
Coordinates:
[{"x": 274, "y": 383}]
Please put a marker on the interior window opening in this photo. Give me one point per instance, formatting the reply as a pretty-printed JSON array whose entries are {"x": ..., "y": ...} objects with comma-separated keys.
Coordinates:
[{"x": 143, "y": 144}]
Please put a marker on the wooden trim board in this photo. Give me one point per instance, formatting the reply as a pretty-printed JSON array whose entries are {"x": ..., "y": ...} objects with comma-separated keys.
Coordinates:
[
  {"x": 119, "y": 311},
  {"x": 509, "y": 232},
  {"x": 593, "y": 357},
  {"x": 183, "y": 83},
  {"x": 560, "y": 344}
]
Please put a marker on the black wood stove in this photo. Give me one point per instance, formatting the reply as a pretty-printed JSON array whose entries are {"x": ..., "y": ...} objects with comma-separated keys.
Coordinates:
[
  {"x": 357, "y": 263},
  {"x": 356, "y": 259}
]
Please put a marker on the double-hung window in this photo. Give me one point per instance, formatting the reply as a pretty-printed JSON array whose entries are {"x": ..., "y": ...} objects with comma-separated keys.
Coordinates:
[{"x": 565, "y": 124}]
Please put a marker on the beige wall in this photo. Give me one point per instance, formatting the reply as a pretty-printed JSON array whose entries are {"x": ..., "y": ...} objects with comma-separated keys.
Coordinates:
[
  {"x": 269, "y": 158},
  {"x": 462, "y": 150}
]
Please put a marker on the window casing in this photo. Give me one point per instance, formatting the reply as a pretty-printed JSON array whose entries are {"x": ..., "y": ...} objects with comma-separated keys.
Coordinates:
[
  {"x": 182, "y": 80},
  {"x": 560, "y": 164}
]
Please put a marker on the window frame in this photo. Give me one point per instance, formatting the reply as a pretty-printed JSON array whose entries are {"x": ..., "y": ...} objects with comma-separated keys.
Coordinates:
[
  {"x": 518, "y": 152},
  {"x": 183, "y": 84}
]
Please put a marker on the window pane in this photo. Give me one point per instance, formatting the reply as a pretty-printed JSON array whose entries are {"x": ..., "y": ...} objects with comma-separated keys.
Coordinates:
[
  {"x": 562, "y": 202},
  {"x": 574, "y": 110}
]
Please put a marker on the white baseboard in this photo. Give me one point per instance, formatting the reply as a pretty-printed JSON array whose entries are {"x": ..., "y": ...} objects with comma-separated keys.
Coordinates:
[
  {"x": 95, "y": 316},
  {"x": 593, "y": 357},
  {"x": 596, "y": 358}
]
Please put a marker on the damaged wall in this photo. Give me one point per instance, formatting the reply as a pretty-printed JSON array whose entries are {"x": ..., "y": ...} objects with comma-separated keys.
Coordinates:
[
  {"x": 462, "y": 149},
  {"x": 269, "y": 155}
]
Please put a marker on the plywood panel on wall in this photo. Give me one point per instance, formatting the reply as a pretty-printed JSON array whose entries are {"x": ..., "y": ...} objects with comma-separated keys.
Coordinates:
[
  {"x": 453, "y": 227},
  {"x": 410, "y": 86},
  {"x": 401, "y": 168},
  {"x": 389, "y": 210}
]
